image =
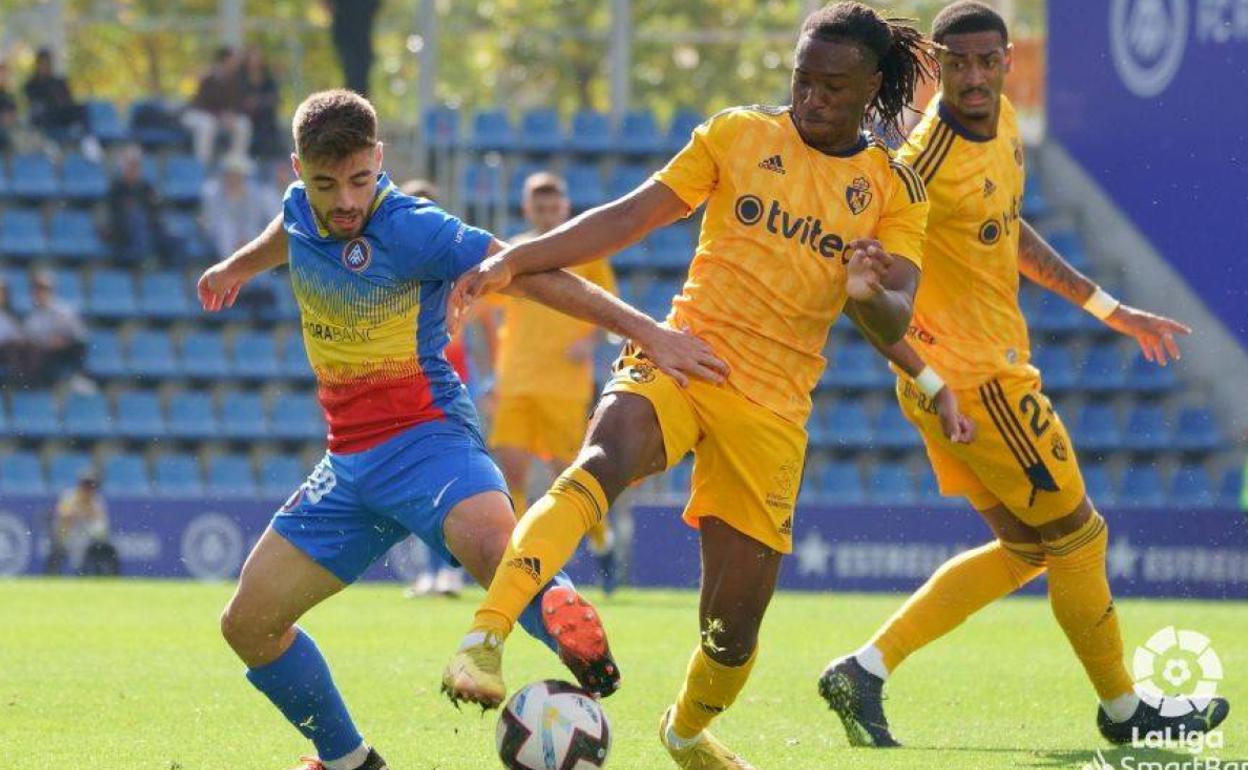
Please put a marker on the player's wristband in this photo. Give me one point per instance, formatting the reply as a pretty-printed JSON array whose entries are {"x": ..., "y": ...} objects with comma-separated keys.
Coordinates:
[
  {"x": 929, "y": 382},
  {"x": 1101, "y": 304}
]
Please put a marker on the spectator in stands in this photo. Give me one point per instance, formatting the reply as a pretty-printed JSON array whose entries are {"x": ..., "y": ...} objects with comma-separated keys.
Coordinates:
[
  {"x": 52, "y": 107},
  {"x": 234, "y": 207},
  {"x": 56, "y": 335},
  {"x": 278, "y": 175},
  {"x": 8, "y": 111},
  {"x": 351, "y": 23},
  {"x": 134, "y": 226},
  {"x": 218, "y": 104},
  {"x": 82, "y": 525},
  {"x": 420, "y": 188},
  {"x": 260, "y": 101},
  {"x": 12, "y": 341}
]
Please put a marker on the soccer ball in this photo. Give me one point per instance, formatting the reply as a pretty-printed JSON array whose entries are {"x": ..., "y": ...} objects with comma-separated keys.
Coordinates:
[{"x": 553, "y": 725}]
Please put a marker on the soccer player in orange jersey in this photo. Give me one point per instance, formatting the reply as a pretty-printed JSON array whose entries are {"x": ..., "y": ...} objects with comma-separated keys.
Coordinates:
[
  {"x": 992, "y": 435},
  {"x": 805, "y": 217}
]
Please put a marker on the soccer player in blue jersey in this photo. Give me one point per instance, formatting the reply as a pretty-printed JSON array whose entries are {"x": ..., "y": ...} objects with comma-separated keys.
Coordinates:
[{"x": 371, "y": 269}]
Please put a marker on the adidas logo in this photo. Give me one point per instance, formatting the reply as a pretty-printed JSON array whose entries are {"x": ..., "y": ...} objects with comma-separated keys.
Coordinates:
[
  {"x": 529, "y": 565},
  {"x": 786, "y": 527},
  {"x": 773, "y": 164},
  {"x": 989, "y": 188}
]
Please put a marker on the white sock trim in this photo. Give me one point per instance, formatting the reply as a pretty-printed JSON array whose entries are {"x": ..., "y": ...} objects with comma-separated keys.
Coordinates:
[
  {"x": 676, "y": 742},
  {"x": 349, "y": 761},
  {"x": 1121, "y": 709},
  {"x": 871, "y": 658}
]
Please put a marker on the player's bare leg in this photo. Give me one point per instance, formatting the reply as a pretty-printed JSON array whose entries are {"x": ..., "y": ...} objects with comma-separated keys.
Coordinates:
[
  {"x": 624, "y": 442},
  {"x": 738, "y": 580}
]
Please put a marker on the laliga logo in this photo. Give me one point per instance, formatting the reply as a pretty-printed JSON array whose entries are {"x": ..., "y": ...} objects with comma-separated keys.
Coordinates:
[
  {"x": 1186, "y": 664},
  {"x": 1147, "y": 39}
]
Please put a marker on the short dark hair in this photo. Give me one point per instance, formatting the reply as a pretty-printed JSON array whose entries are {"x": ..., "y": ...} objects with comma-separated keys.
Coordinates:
[
  {"x": 900, "y": 51},
  {"x": 330, "y": 125},
  {"x": 967, "y": 16}
]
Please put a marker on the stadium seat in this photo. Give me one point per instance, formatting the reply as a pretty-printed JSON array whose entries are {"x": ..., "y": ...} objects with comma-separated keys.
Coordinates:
[
  {"x": 856, "y": 366},
  {"x": 929, "y": 491},
  {"x": 32, "y": 177},
  {"x": 183, "y": 180},
  {"x": 177, "y": 475},
  {"x": 1070, "y": 246},
  {"x": 4, "y": 417},
  {"x": 890, "y": 484},
  {"x": 154, "y": 124},
  {"x": 515, "y": 183},
  {"x": 139, "y": 416},
  {"x": 893, "y": 431},
  {"x": 231, "y": 476},
  {"x": 1144, "y": 376},
  {"x": 1099, "y": 485},
  {"x": 842, "y": 483},
  {"x": 104, "y": 354},
  {"x": 591, "y": 132},
  {"x": 585, "y": 188},
  {"x": 65, "y": 468},
  {"x": 639, "y": 134},
  {"x": 625, "y": 179},
  {"x": 540, "y": 131},
  {"x": 72, "y": 235},
  {"x": 1048, "y": 313},
  {"x": 111, "y": 295},
  {"x": 69, "y": 287},
  {"x": 294, "y": 360},
  {"x": 297, "y": 416},
  {"x": 22, "y": 235},
  {"x": 163, "y": 295},
  {"x": 125, "y": 475},
  {"x": 86, "y": 415},
  {"x": 1141, "y": 488},
  {"x": 203, "y": 355},
  {"x": 482, "y": 185},
  {"x": 83, "y": 179},
  {"x": 151, "y": 354},
  {"x": 1057, "y": 367},
  {"x": 679, "y": 480},
  {"x": 242, "y": 416},
  {"x": 491, "y": 131},
  {"x": 683, "y": 123},
  {"x": 849, "y": 426},
  {"x": 1097, "y": 428},
  {"x": 4, "y": 181},
  {"x": 18, "y": 281},
  {"x": 34, "y": 414},
  {"x": 1191, "y": 487},
  {"x": 1103, "y": 369},
  {"x": 280, "y": 476},
  {"x": 255, "y": 355},
  {"x": 191, "y": 244},
  {"x": 670, "y": 248},
  {"x": 191, "y": 416},
  {"x": 1196, "y": 430},
  {"x": 1035, "y": 204},
  {"x": 442, "y": 127},
  {"x": 1231, "y": 489},
  {"x": 1147, "y": 429},
  {"x": 105, "y": 122},
  {"x": 21, "y": 473}
]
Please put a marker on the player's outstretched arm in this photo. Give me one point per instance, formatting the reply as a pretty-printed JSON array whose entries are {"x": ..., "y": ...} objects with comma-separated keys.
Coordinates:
[
  {"x": 678, "y": 353},
  {"x": 1041, "y": 263},
  {"x": 219, "y": 285},
  {"x": 595, "y": 234},
  {"x": 881, "y": 290}
]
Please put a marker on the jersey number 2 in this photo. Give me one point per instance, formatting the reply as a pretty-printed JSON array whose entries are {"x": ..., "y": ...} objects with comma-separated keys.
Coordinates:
[{"x": 1031, "y": 409}]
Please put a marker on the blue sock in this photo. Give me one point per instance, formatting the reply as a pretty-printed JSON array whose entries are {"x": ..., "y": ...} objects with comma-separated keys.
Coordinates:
[
  {"x": 531, "y": 618},
  {"x": 300, "y": 685}
]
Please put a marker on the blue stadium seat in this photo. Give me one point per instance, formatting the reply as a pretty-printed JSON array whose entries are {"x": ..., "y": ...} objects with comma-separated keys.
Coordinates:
[
  {"x": 585, "y": 187},
  {"x": 1141, "y": 488},
  {"x": 22, "y": 235},
  {"x": 21, "y": 473},
  {"x": 4, "y": 181},
  {"x": 190, "y": 242},
  {"x": 203, "y": 355},
  {"x": 1070, "y": 246},
  {"x": 849, "y": 425},
  {"x": 69, "y": 287},
  {"x": 1099, "y": 484},
  {"x": 683, "y": 123},
  {"x": 1147, "y": 429},
  {"x": 86, "y": 415},
  {"x": 1035, "y": 204},
  {"x": 164, "y": 295},
  {"x": 639, "y": 134},
  {"x": 482, "y": 185},
  {"x": 1097, "y": 428},
  {"x": 105, "y": 122},
  {"x": 890, "y": 484},
  {"x": 670, "y": 248},
  {"x": 491, "y": 131},
  {"x": 893, "y": 431},
  {"x": 178, "y": 475},
  {"x": 280, "y": 476},
  {"x": 679, "y": 480},
  {"x": 183, "y": 180},
  {"x": 1103, "y": 369},
  {"x": 1230, "y": 488},
  {"x": 255, "y": 355},
  {"x": 855, "y": 365},
  {"x": 153, "y": 123},
  {"x": 33, "y": 177},
  {"x": 231, "y": 476},
  {"x": 1191, "y": 487},
  {"x": 4, "y": 416},
  {"x": 1144, "y": 376},
  {"x": 442, "y": 127},
  {"x": 929, "y": 491},
  {"x": 83, "y": 179},
  {"x": 1047, "y": 312},
  {"x": 844, "y": 483},
  {"x": 591, "y": 132},
  {"x": 111, "y": 295},
  {"x": 294, "y": 360},
  {"x": 191, "y": 416},
  {"x": 1196, "y": 430},
  {"x": 125, "y": 475},
  {"x": 151, "y": 354},
  {"x": 515, "y": 183},
  {"x": 632, "y": 258},
  {"x": 104, "y": 354},
  {"x": 297, "y": 416},
  {"x": 626, "y": 178},
  {"x": 540, "y": 131},
  {"x": 242, "y": 416},
  {"x": 139, "y": 415},
  {"x": 1057, "y": 367},
  {"x": 819, "y": 429},
  {"x": 34, "y": 414},
  {"x": 73, "y": 235},
  {"x": 18, "y": 281},
  {"x": 66, "y": 468}
]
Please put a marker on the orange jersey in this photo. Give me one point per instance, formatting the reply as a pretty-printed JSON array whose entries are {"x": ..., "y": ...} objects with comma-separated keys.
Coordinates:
[
  {"x": 768, "y": 278},
  {"x": 534, "y": 343},
  {"x": 967, "y": 322}
]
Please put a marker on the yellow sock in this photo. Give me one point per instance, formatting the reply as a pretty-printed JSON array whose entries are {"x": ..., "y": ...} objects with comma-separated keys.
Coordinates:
[
  {"x": 600, "y": 537},
  {"x": 709, "y": 689},
  {"x": 962, "y": 586},
  {"x": 544, "y": 539},
  {"x": 1079, "y": 594}
]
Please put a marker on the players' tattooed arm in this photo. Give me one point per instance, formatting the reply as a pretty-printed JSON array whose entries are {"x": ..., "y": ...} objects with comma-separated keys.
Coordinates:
[
  {"x": 219, "y": 285},
  {"x": 1042, "y": 264}
]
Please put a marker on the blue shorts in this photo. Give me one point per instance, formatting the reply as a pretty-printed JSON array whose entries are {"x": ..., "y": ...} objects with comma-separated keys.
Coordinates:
[{"x": 355, "y": 507}]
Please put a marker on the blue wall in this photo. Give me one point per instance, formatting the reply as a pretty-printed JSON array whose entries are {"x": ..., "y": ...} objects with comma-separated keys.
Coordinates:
[{"x": 1155, "y": 108}]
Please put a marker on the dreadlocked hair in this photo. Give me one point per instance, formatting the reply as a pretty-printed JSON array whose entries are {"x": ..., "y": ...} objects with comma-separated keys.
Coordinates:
[{"x": 903, "y": 55}]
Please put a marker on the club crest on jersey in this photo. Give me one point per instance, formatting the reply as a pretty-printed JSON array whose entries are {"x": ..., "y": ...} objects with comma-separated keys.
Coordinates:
[
  {"x": 858, "y": 195},
  {"x": 989, "y": 232},
  {"x": 1018, "y": 150},
  {"x": 357, "y": 255}
]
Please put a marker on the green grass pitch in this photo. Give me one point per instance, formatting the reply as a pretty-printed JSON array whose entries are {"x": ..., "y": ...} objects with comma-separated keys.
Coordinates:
[{"x": 133, "y": 675}]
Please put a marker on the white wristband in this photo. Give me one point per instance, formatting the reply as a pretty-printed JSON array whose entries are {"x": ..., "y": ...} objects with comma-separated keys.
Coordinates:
[
  {"x": 1101, "y": 304},
  {"x": 929, "y": 382}
]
